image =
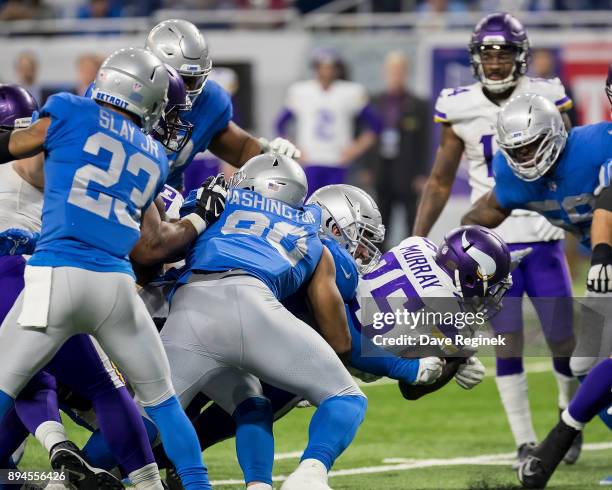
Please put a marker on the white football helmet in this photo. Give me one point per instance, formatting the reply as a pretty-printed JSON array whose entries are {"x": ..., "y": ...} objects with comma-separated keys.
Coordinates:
[{"x": 351, "y": 217}]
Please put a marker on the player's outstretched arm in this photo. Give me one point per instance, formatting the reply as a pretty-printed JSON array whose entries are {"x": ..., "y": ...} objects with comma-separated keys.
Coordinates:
[
  {"x": 161, "y": 241},
  {"x": 328, "y": 307},
  {"x": 438, "y": 186},
  {"x": 23, "y": 143},
  {"x": 486, "y": 212}
]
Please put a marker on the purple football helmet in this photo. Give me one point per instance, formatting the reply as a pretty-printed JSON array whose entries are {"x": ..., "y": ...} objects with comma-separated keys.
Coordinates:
[
  {"x": 497, "y": 32},
  {"x": 478, "y": 261},
  {"x": 609, "y": 85},
  {"x": 172, "y": 131},
  {"x": 16, "y": 107}
]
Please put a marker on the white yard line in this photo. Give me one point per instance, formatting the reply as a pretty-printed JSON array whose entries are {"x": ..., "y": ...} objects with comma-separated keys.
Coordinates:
[{"x": 402, "y": 464}]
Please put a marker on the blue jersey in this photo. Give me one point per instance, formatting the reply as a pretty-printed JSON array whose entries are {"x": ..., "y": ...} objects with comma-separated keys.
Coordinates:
[
  {"x": 101, "y": 170},
  {"x": 267, "y": 238},
  {"x": 211, "y": 113},
  {"x": 347, "y": 278},
  {"x": 565, "y": 196}
]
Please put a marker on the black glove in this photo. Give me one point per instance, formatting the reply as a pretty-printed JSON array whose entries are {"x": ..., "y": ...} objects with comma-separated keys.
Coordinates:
[{"x": 210, "y": 202}]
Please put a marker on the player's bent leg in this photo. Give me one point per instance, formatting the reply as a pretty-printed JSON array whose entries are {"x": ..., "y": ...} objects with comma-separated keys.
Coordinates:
[
  {"x": 117, "y": 414},
  {"x": 148, "y": 370},
  {"x": 593, "y": 396}
]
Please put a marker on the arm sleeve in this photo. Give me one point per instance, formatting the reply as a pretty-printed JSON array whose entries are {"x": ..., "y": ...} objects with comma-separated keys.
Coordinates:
[
  {"x": 561, "y": 99},
  {"x": 441, "y": 109},
  {"x": 378, "y": 361},
  {"x": 57, "y": 108}
]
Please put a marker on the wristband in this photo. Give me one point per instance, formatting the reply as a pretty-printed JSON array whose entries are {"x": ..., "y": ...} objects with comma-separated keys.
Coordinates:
[
  {"x": 602, "y": 254},
  {"x": 196, "y": 220}
]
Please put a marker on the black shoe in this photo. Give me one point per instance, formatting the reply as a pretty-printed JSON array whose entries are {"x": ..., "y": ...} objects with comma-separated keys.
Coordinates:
[
  {"x": 66, "y": 457},
  {"x": 537, "y": 469},
  {"x": 173, "y": 480},
  {"x": 573, "y": 453},
  {"x": 522, "y": 453}
]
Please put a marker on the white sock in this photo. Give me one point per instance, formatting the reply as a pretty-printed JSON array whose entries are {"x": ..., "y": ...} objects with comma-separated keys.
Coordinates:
[
  {"x": 513, "y": 393},
  {"x": 259, "y": 486},
  {"x": 567, "y": 386},
  {"x": 146, "y": 478},
  {"x": 571, "y": 421},
  {"x": 50, "y": 433}
]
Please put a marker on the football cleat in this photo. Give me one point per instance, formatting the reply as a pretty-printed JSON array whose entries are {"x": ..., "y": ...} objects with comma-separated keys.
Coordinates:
[
  {"x": 537, "y": 469},
  {"x": 523, "y": 452},
  {"x": 573, "y": 453},
  {"x": 607, "y": 481},
  {"x": 173, "y": 481},
  {"x": 311, "y": 474},
  {"x": 67, "y": 457}
]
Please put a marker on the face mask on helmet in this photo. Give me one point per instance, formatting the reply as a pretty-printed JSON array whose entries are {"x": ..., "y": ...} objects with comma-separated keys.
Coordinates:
[
  {"x": 359, "y": 239},
  {"x": 498, "y": 66},
  {"x": 609, "y": 87},
  {"x": 172, "y": 132},
  {"x": 531, "y": 159},
  {"x": 194, "y": 83}
]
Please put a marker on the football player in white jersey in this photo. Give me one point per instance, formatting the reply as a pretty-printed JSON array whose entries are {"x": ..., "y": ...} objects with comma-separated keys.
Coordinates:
[
  {"x": 325, "y": 110},
  {"x": 499, "y": 52}
]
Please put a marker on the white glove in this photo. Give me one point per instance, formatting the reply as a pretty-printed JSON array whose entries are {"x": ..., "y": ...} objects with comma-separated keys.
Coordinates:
[
  {"x": 599, "y": 279},
  {"x": 430, "y": 369},
  {"x": 470, "y": 373},
  {"x": 280, "y": 146}
]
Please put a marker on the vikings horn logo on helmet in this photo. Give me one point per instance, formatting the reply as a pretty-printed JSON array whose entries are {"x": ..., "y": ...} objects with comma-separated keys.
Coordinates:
[{"x": 486, "y": 264}]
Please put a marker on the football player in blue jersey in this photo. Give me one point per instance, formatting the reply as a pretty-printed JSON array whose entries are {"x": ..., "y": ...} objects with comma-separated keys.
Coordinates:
[
  {"x": 542, "y": 168},
  {"x": 227, "y": 328},
  {"x": 181, "y": 45},
  {"x": 101, "y": 171}
]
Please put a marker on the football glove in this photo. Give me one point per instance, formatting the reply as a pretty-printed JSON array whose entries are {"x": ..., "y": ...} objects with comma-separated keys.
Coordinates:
[
  {"x": 599, "y": 279},
  {"x": 15, "y": 241},
  {"x": 280, "y": 146},
  {"x": 470, "y": 373},
  {"x": 430, "y": 369},
  {"x": 210, "y": 202}
]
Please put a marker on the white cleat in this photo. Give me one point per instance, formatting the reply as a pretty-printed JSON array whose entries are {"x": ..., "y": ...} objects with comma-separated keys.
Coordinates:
[{"x": 311, "y": 474}]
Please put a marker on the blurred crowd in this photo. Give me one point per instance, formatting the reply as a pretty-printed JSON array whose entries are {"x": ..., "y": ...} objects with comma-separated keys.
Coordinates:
[{"x": 49, "y": 9}]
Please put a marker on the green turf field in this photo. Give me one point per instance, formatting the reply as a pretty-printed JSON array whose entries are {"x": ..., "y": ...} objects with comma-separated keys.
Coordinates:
[{"x": 467, "y": 429}]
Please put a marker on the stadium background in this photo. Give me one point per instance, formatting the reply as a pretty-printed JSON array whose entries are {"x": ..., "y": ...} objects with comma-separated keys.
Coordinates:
[{"x": 268, "y": 45}]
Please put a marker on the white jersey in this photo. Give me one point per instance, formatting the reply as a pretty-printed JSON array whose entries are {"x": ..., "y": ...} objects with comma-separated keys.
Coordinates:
[
  {"x": 407, "y": 279},
  {"x": 473, "y": 118},
  {"x": 20, "y": 202},
  {"x": 325, "y": 119}
]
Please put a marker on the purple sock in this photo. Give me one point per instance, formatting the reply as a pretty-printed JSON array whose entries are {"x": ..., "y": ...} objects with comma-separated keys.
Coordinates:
[
  {"x": 122, "y": 427},
  {"x": 594, "y": 394},
  {"x": 509, "y": 365},
  {"x": 562, "y": 366},
  {"x": 37, "y": 402}
]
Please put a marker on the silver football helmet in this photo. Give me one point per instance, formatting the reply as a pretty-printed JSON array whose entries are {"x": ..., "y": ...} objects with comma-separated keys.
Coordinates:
[
  {"x": 134, "y": 80},
  {"x": 351, "y": 217},
  {"x": 180, "y": 44},
  {"x": 531, "y": 135},
  {"x": 275, "y": 176}
]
